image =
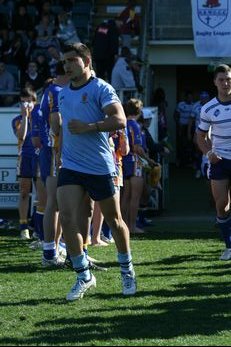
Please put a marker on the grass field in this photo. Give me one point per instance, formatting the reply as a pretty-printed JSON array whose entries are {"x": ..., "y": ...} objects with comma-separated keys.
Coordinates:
[{"x": 183, "y": 298}]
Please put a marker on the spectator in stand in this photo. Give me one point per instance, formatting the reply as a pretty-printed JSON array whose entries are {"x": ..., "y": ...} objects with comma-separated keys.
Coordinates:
[
  {"x": 7, "y": 85},
  {"x": 130, "y": 23},
  {"x": 45, "y": 9},
  {"x": 31, "y": 49},
  {"x": 122, "y": 75},
  {"x": 43, "y": 66},
  {"x": 31, "y": 77},
  {"x": 106, "y": 48},
  {"x": 15, "y": 54},
  {"x": 21, "y": 21},
  {"x": 66, "y": 29},
  {"x": 55, "y": 56},
  {"x": 46, "y": 33},
  {"x": 5, "y": 39}
]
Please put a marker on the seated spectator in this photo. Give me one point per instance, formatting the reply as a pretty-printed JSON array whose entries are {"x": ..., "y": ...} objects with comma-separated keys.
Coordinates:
[
  {"x": 43, "y": 66},
  {"x": 31, "y": 77},
  {"x": 31, "y": 49},
  {"x": 46, "y": 31},
  {"x": 45, "y": 9},
  {"x": 122, "y": 75},
  {"x": 5, "y": 39},
  {"x": 66, "y": 29},
  {"x": 54, "y": 55},
  {"x": 21, "y": 21},
  {"x": 15, "y": 54},
  {"x": 7, "y": 84}
]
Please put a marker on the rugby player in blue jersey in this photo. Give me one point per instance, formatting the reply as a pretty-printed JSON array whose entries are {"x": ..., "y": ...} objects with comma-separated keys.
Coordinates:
[
  {"x": 89, "y": 109},
  {"x": 27, "y": 163},
  {"x": 49, "y": 132}
]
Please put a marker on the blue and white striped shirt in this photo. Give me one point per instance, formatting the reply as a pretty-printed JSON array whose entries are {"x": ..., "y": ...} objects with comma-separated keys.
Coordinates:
[{"x": 217, "y": 115}]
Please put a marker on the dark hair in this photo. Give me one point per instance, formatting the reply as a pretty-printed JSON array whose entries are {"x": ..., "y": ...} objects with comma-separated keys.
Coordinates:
[
  {"x": 221, "y": 68},
  {"x": 79, "y": 48},
  {"x": 28, "y": 92}
]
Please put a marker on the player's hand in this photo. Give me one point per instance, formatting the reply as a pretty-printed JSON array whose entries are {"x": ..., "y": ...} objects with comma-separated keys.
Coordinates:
[{"x": 214, "y": 158}]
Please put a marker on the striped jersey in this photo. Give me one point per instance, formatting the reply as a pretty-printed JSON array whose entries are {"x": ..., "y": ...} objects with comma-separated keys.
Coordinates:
[
  {"x": 195, "y": 114},
  {"x": 185, "y": 110},
  {"x": 217, "y": 115}
]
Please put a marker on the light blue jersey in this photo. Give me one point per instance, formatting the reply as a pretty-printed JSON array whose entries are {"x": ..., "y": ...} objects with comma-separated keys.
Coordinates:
[{"x": 89, "y": 152}]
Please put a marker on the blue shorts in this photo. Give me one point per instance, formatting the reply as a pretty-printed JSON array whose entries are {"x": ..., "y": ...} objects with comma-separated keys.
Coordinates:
[
  {"x": 99, "y": 187},
  {"x": 220, "y": 170},
  {"x": 47, "y": 163},
  {"x": 27, "y": 167},
  {"x": 132, "y": 168}
]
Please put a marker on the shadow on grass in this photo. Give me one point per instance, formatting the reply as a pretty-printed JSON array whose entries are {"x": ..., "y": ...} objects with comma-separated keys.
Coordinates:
[
  {"x": 175, "y": 235},
  {"x": 175, "y": 316}
]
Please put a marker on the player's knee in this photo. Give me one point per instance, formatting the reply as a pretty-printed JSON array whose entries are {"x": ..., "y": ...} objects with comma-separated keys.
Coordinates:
[{"x": 116, "y": 223}]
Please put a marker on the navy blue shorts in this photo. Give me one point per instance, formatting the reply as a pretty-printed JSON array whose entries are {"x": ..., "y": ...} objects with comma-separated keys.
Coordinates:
[
  {"x": 27, "y": 166},
  {"x": 132, "y": 168},
  {"x": 47, "y": 163},
  {"x": 99, "y": 187},
  {"x": 220, "y": 170}
]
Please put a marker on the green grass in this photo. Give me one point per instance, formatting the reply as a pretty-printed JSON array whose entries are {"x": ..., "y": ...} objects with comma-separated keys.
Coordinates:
[
  {"x": 183, "y": 294},
  {"x": 184, "y": 291}
]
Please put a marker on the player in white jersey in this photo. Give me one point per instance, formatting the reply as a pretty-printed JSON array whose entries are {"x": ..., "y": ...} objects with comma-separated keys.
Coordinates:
[
  {"x": 89, "y": 109},
  {"x": 217, "y": 115}
]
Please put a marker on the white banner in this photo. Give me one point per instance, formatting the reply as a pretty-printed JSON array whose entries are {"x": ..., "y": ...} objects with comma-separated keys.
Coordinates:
[{"x": 211, "y": 21}]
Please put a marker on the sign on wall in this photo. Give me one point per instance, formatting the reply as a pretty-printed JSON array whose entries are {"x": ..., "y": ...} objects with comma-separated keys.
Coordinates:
[
  {"x": 9, "y": 186},
  {"x": 211, "y": 27}
]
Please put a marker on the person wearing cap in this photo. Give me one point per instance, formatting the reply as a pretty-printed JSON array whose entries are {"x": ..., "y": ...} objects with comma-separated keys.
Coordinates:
[
  {"x": 193, "y": 123},
  {"x": 122, "y": 74}
]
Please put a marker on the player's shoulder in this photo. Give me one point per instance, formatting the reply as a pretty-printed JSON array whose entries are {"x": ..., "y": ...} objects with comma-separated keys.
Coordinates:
[{"x": 210, "y": 105}]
